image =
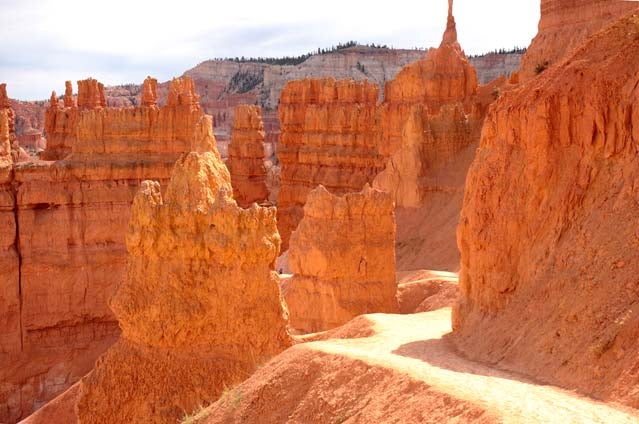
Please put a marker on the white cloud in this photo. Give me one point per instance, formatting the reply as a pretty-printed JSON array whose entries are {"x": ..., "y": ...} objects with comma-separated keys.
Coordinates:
[{"x": 48, "y": 41}]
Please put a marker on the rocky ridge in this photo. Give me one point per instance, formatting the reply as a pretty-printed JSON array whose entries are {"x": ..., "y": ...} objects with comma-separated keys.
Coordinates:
[{"x": 563, "y": 146}]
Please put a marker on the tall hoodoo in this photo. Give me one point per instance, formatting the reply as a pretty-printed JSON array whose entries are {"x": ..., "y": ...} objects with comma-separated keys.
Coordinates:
[
  {"x": 200, "y": 306},
  {"x": 246, "y": 156},
  {"x": 149, "y": 96},
  {"x": 548, "y": 230},
  {"x": 450, "y": 35},
  {"x": 68, "y": 94},
  {"x": 5, "y": 108},
  {"x": 343, "y": 257}
]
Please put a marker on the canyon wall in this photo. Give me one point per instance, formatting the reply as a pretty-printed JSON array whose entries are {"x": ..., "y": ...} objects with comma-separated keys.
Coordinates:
[
  {"x": 565, "y": 25},
  {"x": 342, "y": 256},
  {"x": 247, "y": 156},
  {"x": 200, "y": 306},
  {"x": 71, "y": 216},
  {"x": 328, "y": 138},
  {"x": 548, "y": 231}
]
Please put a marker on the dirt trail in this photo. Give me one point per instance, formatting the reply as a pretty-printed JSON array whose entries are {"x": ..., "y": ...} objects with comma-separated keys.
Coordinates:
[
  {"x": 397, "y": 369},
  {"x": 414, "y": 345}
]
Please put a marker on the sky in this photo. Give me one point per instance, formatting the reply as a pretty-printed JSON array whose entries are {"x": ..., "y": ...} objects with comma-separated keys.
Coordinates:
[{"x": 46, "y": 42}]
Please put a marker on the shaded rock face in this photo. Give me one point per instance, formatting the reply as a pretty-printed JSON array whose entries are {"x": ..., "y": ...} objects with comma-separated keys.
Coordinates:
[
  {"x": 565, "y": 25},
  {"x": 343, "y": 257},
  {"x": 548, "y": 230},
  {"x": 247, "y": 156},
  {"x": 200, "y": 306},
  {"x": 328, "y": 138},
  {"x": 70, "y": 253}
]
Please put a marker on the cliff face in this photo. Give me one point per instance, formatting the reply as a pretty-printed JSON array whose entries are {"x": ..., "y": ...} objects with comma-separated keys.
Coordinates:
[
  {"x": 200, "y": 305},
  {"x": 246, "y": 161},
  {"x": 71, "y": 217},
  {"x": 565, "y": 25},
  {"x": 554, "y": 185},
  {"x": 328, "y": 138},
  {"x": 494, "y": 65},
  {"x": 343, "y": 258}
]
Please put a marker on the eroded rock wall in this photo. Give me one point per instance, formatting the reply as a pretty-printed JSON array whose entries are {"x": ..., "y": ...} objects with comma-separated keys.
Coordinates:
[
  {"x": 548, "y": 230},
  {"x": 342, "y": 256},
  {"x": 200, "y": 305},
  {"x": 247, "y": 156},
  {"x": 71, "y": 217},
  {"x": 329, "y": 138}
]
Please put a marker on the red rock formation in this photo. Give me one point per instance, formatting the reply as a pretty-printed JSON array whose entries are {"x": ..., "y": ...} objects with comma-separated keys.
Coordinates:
[
  {"x": 247, "y": 156},
  {"x": 548, "y": 231},
  {"x": 139, "y": 131},
  {"x": 5, "y": 105},
  {"x": 182, "y": 93},
  {"x": 68, "y": 95},
  {"x": 328, "y": 137},
  {"x": 149, "y": 95},
  {"x": 72, "y": 215},
  {"x": 90, "y": 94},
  {"x": 200, "y": 306},
  {"x": 343, "y": 257},
  {"x": 565, "y": 25}
]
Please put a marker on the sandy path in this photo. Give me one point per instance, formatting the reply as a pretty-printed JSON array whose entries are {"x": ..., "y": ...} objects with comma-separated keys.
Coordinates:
[{"x": 413, "y": 344}]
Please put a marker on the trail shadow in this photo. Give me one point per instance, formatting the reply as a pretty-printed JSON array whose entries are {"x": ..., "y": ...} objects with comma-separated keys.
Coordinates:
[{"x": 441, "y": 353}]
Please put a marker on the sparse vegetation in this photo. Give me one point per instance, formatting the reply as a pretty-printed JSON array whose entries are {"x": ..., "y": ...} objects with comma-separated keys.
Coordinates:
[
  {"x": 296, "y": 60},
  {"x": 245, "y": 81},
  {"x": 196, "y": 416},
  {"x": 514, "y": 50}
]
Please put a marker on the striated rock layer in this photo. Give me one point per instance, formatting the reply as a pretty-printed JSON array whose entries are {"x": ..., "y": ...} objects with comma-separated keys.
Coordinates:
[
  {"x": 328, "y": 138},
  {"x": 200, "y": 306},
  {"x": 343, "y": 258},
  {"x": 71, "y": 217},
  {"x": 565, "y": 25},
  {"x": 247, "y": 156},
  {"x": 548, "y": 232}
]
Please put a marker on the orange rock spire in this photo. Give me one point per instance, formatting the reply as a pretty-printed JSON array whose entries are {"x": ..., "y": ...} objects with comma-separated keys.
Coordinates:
[
  {"x": 149, "y": 92},
  {"x": 200, "y": 307},
  {"x": 450, "y": 35},
  {"x": 68, "y": 94}
]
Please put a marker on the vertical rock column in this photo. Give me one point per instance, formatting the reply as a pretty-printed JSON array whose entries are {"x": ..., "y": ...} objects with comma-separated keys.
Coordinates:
[
  {"x": 246, "y": 156},
  {"x": 200, "y": 306},
  {"x": 343, "y": 258}
]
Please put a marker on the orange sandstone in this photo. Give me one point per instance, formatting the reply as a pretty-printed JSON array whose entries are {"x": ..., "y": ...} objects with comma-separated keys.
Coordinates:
[
  {"x": 328, "y": 137},
  {"x": 343, "y": 257},
  {"x": 548, "y": 230},
  {"x": 246, "y": 156},
  {"x": 200, "y": 306},
  {"x": 72, "y": 216},
  {"x": 149, "y": 95},
  {"x": 565, "y": 25}
]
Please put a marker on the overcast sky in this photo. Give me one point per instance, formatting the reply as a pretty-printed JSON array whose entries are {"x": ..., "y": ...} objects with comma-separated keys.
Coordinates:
[{"x": 45, "y": 42}]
